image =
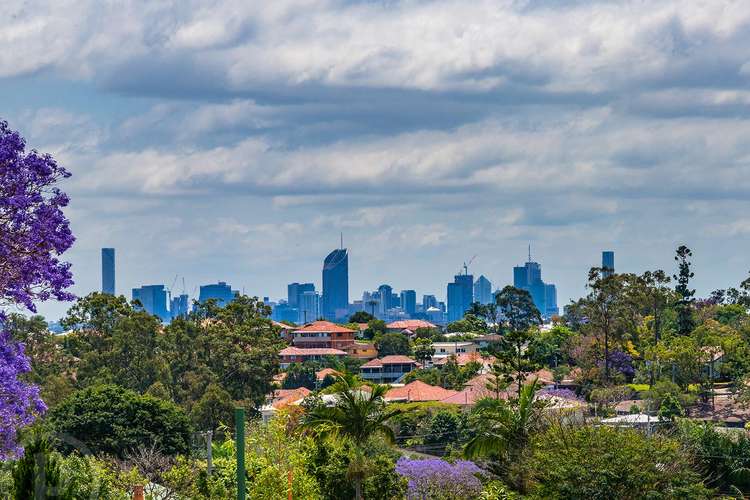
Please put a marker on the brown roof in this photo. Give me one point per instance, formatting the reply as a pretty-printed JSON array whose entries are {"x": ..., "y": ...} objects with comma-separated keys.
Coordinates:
[
  {"x": 471, "y": 394},
  {"x": 320, "y": 375},
  {"x": 358, "y": 345},
  {"x": 409, "y": 324},
  {"x": 300, "y": 351},
  {"x": 323, "y": 327},
  {"x": 284, "y": 326},
  {"x": 389, "y": 360},
  {"x": 283, "y": 397},
  {"x": 418, "y": 391}
]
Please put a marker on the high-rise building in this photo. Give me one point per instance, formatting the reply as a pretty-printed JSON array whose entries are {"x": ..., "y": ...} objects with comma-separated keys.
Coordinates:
[
  {"x": 428, "y": 301},
  {"x": 295, "y": 291},
  {"x": 178, "y": 307},
  {"x": 483, "y": 290},
  {"x": 335, "y": 300},
  {"x": 108, "y": 270},
  {"x": 220, "y": 292},
  {"x": 309, "y": 306},
  {"x": 529, "y": 277},
  {"x": 386, "y": 294},
  {"x": 608, "y": 263},
  {"x": 153, "y": 298},
  {"x": 409, "y": 302},
  {"x": 460, "y": 295}
]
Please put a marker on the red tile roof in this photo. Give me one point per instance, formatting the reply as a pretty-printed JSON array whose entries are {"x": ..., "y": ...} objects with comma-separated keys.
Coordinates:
[
  {"x": 389, "y": 360},
  {"x": 418, "y": 391},
  {"x": 283, "y": 397},
  {"x": 464, "y": 358},
  {"x": 323, "y": 327},
  {"x": 299, "y": 351},
  {"x": 320, "y": 375},
  {"x": 284, "y": 326},
  {"x": 409, "y": 324}
]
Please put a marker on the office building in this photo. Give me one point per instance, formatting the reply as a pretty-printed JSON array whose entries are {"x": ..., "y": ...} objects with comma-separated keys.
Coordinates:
[
  {"x": 295, "y": 291},
  {"x": 409, "y": 302},
  {"x": 428, "y": 301},
  {"x": 529, "y": 277},
  {"x": 220, "y": 292},
  {"x": 309, "y": 306},
  {"x": 460, "y": 295},
  {"x": 108, "y": 270},
  {"x": 153, "y": 299},
  {"x": 608, "y": 263},
  {"x": 335, "y": 300},
  {"x": 483, "y": 290},
  {"x": 178, "y": 307},
  {"x": 282, "y": 312},
  {"x": 386, "y": 293}
]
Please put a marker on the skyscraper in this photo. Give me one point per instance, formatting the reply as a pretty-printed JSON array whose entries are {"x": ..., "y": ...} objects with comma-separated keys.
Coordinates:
[
  {"x": 483, "y": 290},
  {"x": 460, "y": 294},
  {"x": 178, "y": 307},
  {"x": 409, "y": 302},
  {"x": 529, "y": 277},
  {"x": 153, "y": 298},
  {"x": 309, "y": 306},
  {"x": 386, "y": 293},
  {"x": 428, "y": 301},
  {"x": 221, "y": 292},
  {"x": 608, "y": 263},
  {"x": 295, "y": 291},
  {"x": 335, "y": 300},
  {"x": 108, "y": 270}
]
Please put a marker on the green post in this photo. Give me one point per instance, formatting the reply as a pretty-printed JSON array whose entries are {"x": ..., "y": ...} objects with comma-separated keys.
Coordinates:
[{"x": 239, "y": 423}]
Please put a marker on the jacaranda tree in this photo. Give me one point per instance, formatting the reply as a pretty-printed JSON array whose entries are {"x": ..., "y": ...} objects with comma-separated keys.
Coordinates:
[{"x": 33, "y": 234}]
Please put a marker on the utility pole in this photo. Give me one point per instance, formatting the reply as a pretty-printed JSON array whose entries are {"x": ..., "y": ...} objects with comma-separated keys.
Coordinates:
[{"x": 239, "y": 441}]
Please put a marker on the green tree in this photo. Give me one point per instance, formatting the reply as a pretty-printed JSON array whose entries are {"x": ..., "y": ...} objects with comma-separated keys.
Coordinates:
[
  {"x": 684, "y": 304},
  {"x": 392, "y": 343},
  {"x": 214, "y": 408},
  {"x": 604, "y": 462},
  {"x": 113, "y": 420},
  {"x": 361, "y": 317},
  {"x": 670, "y": 408},
  {"x": 502, "y": 430},
  {"x": 375, "y": 328},
  {"x": 37, "y": 473},
  {"x": 521, "y": 318},
  {"x": 300, "y": 375},
  {"x": 423, "y": 350},
  {"x": 357, "y": 416},
  {"x": 444, "y": 428},
  {"x": 469, "y": 323}
]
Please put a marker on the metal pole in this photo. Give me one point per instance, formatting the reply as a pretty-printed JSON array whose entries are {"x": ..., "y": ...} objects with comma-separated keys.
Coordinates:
[
  {"x": 210, "y": 460},
  {"x": 239, "y": 423}
]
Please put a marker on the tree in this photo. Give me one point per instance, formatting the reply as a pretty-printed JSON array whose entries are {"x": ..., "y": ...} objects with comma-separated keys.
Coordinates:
[
  {"x": 374, "y": 328},
  {"x": 520, "y": 318},
  {"x": 684, "y": 305},
  {"x": 361, "y": 317},
  {"x": 37, "y": 473},
  {"x": 656, "y": 296},
  {"x": 300, "y": 375},
  {"x": 393, "y": 343},
  {"x": 502, "y": 431},
  {"x": 34, "y": 233},
  {"x": 214, "y": 408},
  {"x": 113, "y": 420},
  {"x": 607, "y": 462},
  {"x": 423, "y": 350},
  {"x": 469, "y": 323},
  {"x": 357, "y": 416}
]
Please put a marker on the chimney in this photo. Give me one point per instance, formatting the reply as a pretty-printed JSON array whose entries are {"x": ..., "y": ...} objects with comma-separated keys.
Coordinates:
[{"x": 138, "y": 492}]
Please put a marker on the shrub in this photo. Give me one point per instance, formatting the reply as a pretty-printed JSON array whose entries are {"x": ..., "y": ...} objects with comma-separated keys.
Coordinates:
[{"x": 440, "y": 480}]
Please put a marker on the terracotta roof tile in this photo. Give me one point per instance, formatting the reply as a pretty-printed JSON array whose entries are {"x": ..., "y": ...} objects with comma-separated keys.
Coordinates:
[
  {"x": 389, "y": 360},
  {"x": 300, "y": 351},
  {"x": 320, "y": 375},
  {"x": 409, "y": 324},
  {"x": 323, "y": 327},
  {"x": 418, "y": 391}
]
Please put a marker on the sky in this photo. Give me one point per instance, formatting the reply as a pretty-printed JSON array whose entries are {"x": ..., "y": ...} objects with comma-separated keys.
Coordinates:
[{"x": 235, "y": 141}]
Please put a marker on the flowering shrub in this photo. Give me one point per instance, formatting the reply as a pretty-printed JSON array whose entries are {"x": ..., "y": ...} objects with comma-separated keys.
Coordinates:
[{"x": 438, "y": 479}]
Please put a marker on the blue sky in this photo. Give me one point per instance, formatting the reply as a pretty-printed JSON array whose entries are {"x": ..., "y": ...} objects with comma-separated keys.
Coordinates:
[{"x": 234, "y": 140}]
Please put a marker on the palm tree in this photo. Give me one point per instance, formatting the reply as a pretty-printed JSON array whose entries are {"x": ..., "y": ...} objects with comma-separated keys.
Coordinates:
[
  {"x": 503, "y": 429},
  {"x": 357, "y": 415}
]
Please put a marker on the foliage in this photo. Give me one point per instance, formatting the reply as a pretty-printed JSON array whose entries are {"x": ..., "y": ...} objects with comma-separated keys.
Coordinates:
[
  {"x": 684, "y": 305},
  {"x": 469, "y": 323},
  {"x": 300, "y": 375},
  {"x": 440, "y": 480},
  {"x": 112, "y": 420},
  {"x": 605, "y": 462},
  {"x": 214, "y": 408},
  {"x": 361, "y": 317},
  {"x": 423, "y": 350},
  {"x": 548, "y": 347},
  {"x": 375, "y": 327},
  {"x": 392, "y": 343}
]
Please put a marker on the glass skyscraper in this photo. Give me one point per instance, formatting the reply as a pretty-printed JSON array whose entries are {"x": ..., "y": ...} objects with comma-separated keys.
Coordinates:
[
  {"x": 108, "y": 270},
  {"x": 608, "y": 263},
  {"x": 221, "y": 292},
  {"x": 409, "y": 302},
  {"x": 529, "y": 277},
  {"x": 153, "y": 298},
  {"x": 460, "y": 295},
  {"x": 483, "y": 291},
  {"x": 335, "y": 300}
]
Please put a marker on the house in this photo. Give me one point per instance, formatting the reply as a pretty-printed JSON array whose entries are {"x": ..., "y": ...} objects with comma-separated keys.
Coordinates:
[
  {"x": 484, "y": 341},
  {"x": 280, "y": 398},
  {"x": 285, "y": 331},
  {"x": 361, "y": 351},
  {"x": 418, "y": 391},
  {"x": 464, "y": 359},
  {"x": 712, "y": 358},
  {"x": 445, "y": 349},
  {"x": 388, "y": 369},
  {"x": 408, "y": 326},
  {"x": 297, "y": 355},
  {"x": 320, "y": 375},
  {"x": 323, "y": 334}
]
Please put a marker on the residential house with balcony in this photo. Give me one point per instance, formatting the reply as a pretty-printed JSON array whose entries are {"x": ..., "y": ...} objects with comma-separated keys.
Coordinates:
[
  {"x": 323, "y": 334},
  {"x": 388, "y": 369}
]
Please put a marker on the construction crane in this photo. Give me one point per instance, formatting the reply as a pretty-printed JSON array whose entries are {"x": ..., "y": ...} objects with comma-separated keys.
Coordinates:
[{"x": 467, "y": 264}]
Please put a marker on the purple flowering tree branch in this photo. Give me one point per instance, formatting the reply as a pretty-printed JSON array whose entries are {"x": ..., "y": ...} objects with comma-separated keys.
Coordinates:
[
  {"x": 437, "y": 479},
  {"x": 34, "y": 232}
]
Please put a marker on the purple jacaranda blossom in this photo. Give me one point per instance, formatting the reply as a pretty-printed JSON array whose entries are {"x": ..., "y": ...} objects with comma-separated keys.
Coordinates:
[
  {"x": 621, "y": 362},
  {"x": 438, "y": 479},
  {"x": 557, "y": 393},
  {"x": 34, "y": 232}
]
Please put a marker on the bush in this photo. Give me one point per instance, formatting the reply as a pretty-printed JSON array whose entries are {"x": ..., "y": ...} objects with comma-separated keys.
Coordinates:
[
  {"x": 440, "y": 480},
  {"x": 111, "y": 420},
  {"x": 605, "y": 462}
]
